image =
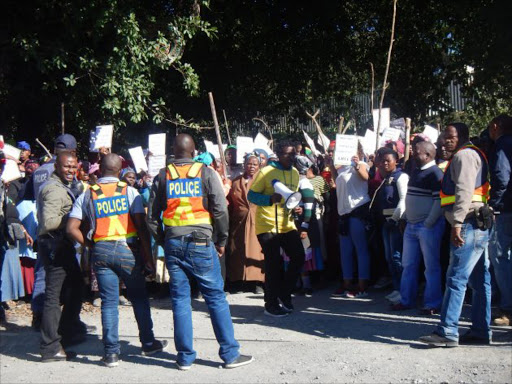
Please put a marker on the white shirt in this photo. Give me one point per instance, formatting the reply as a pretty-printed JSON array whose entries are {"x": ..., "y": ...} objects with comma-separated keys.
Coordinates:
[{"x": 351, "y": 189}]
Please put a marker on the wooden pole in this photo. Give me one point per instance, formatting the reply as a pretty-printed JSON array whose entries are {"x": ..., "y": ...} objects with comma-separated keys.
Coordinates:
[
  {"x": 384, "y": 84},
  {"x": 217, "y": 132},
  {"x": 347, "y": 127},
  {"x": 340, "y": 126},
  {"x": 62, "y": 119},
  {"x": 227, "y": 127},
  {"x": 407, "y": 138},
  {"x": 373, "y": 86},
  {"x": 43, "y": 146},
  {"x": 318, "y": 129}
]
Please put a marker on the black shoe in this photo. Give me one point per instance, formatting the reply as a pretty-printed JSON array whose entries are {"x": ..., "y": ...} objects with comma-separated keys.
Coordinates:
[
  {"x": 76, "y": 339},
  {"x": 287, "y": 305},
  {"x": 276, "y": 311},
  {"x": 470, "y": 339},
  {"x": 240, "y": 360},
  {"x": 59, "y": 356},
  {"x": 436, "y": 340},
  {"x": 111, "y": 360},
  {"x": 157, "y": 346}
]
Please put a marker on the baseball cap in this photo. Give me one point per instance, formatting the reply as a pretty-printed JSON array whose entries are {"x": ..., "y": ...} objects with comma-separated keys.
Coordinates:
[
  {"x": 23, "y": 145},
  {"x": 65, "y": 141}
]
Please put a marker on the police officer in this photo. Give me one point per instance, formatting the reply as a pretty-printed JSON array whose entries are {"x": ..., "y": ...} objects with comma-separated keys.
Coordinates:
[
  {"x": 464, "y": 195},
  {"x": 187, "y": 200},
  {"x": 117, "y": 236}
]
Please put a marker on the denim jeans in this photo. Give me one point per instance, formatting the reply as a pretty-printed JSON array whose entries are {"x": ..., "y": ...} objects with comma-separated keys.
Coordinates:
[
  {"x": 393, "y": 241},
  {"x": 419, "y": 240},
  {"x": 469, "y": 264},
  {"x": 112, "y": 260},
  {"x": 183, "y": 257},
  {"x": 356, "y": 238},
  {"x": 501, "y": 257}
]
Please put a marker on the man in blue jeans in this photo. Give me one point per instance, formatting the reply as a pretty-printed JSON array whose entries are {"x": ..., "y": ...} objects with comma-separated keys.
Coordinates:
[
  {"x": 500, "y": 163},
  {"x": 464, "y": 194},
  {"x": 115, "y": 218},
  {"x": 188, "y": 199}
]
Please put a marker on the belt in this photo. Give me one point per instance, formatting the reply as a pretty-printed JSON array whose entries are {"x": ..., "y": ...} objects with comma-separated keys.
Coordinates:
[{"x": 190, "y": 239}]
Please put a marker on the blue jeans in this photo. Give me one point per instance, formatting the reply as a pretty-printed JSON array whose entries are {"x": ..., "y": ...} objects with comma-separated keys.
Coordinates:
[
  {"x": 419, "y": 240},
  {"x": 469, "y": 264},
  {"x": 356, "y": 238},
  {"x": 501, "y": 257},
  {"x": 393, "y": 242},
  {"x": 112, "y": 260},
  {"x": 183, "y": 257}
]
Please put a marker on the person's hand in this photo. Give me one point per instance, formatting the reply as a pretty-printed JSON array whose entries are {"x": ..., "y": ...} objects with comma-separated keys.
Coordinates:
[
  {"x": 28, "y": 238},
  {"x": 298, "y": 210},
  {"x": 104, "y": 151},
  {"x": 456, "y": 238},
  {"x": 275, "y": 198},
  {"x": 303, "y": 234},
  {"x": 355, "y": 159},
  {"x": 220, "y": 250},
  {"x": 149, "y": 268}
]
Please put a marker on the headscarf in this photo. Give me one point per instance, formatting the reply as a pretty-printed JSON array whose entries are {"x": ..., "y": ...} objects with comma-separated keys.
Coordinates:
[
  {"x": 206, "y": 158},
  {"x": 127, "y": 170},
  {"x": 302, "y": 163},
  {"x": 259, "y": 152},
  {"x": 252, "y": 154}
]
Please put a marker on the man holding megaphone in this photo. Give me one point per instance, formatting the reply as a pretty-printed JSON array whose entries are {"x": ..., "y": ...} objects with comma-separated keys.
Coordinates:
[{"x": 274, "y": 191}]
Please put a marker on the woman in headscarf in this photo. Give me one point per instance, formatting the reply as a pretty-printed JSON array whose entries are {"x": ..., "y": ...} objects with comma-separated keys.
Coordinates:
[{"x": 245, "y": 259}]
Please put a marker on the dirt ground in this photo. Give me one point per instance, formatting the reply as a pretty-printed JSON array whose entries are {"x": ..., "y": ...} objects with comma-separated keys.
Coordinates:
[{"x": 325, "y": 340}]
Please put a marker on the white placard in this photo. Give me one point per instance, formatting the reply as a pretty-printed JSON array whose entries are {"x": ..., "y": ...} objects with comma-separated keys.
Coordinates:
[
  {"x": 398, "y": 123},
  {"x": 369, "y": 142},
  {"x": 139, "y": 161},
  {"x": 261, "y": 142},
  {"x": 156, "y": 144},
  {"x": 11, "y": 171},
  {"x": 244, "y": 145},
  {"x": 346, "y": 148},
  {"x": 155, "y": 164},
  {"x": 431, "y": 133},
  {"x": 390, "y": 134},
  {"x": 311, "y": 144},
  {"x": 214, "y": 148},
  {"x": 385, "y": 116},
  {"x": 103, "y": 136},
  {"x": 14, "y": 152},
  {"x": 323, "y": 141}
]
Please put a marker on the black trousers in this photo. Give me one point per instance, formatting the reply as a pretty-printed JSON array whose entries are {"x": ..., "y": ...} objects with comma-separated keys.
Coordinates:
[
  {"x": 63, "y": 283},
  {"x": 280, "y": 284}
]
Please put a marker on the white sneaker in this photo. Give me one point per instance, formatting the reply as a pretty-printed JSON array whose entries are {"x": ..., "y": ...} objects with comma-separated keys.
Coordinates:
[
  {"x": 393, "y": 296},
  {"x": 397, "y": 299}
]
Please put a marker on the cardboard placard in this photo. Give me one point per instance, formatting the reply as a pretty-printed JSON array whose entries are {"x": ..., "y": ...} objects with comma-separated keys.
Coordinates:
[
  {"x": 431, "y": 133},
  {"x": 214, "y": 148},
  {"x": 11, "y": 171},
  {"x": 346, "y": 148},
  {"x": 156, "y": 144},
  {"x": 244, "y": 145},
  {"x": 103, "y": 136},
  {"x": 369, "y": 142},
  {"x": 323, "y": 141},
  {"x": 261, "y": 142},
  {"x": 392, "y": 134},
  {"x": 385, "y": 116},
  {"x": 139, "y": 161},
  {"x": 14, "y": 152},
  {"x": 155, "y": 164}
]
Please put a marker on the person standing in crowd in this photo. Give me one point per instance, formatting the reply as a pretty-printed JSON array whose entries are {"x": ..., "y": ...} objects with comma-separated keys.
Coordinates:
[
  {"x": 120, "y": 248},
  {"x": 233, "y": 170},
  {"x": 389, "y": 208},
  {"x": 464, "y": 196},
  {"x": 187, "y": 200},
  {"x": 24, "y": 155},
  {"x": 353, "y": 209},
  {"x": 423, "y": 232},
  {"x": 245, "y": 261},
  {"x": 59, "y": 328},
  {"x": 276, "y": 229},
  {"x": 500, "y": 163},
  {"x": 63, "y": 143}
]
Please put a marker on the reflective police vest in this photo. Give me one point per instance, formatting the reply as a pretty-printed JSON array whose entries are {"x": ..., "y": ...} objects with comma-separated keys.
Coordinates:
[
  {"x": 481, "y": 192},
  {"x": 111, "y": 208},
  {"x": 184, "y": 191}
]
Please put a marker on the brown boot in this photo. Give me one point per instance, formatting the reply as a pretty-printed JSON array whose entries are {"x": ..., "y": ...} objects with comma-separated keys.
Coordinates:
[{"x": 502, "y": 320}]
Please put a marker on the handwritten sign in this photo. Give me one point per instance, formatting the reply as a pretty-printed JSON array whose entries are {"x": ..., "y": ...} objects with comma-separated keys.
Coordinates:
[
  {"x": 244, "y": 145},
  {"x": 384, "y": 118},
  {"x": 431, "y": 133},
  {"x": 11, "y": 171},
  {"x": 390, "y": 134},
  {"x": 103, "y": 136},
  {"x": 156, "y": 144},
  {"x": 346, "y": 148},
  {"x": 155, "y": 164},
  {"x": 369, "y": 142},
  {"x": 139, "y": 161}
]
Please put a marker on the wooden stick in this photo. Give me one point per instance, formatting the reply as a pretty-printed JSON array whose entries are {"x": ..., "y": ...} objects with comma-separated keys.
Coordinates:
[
  {"x": 217, "y": 132},
  {"x": 62, "y": 119},
  {"x": 227, "y": 127},
  {"x": 438, "y": 128},
  {"x": 271, "y": 145},
  {"x": 347, "y": 127},
  {"x": 340, "y": 125},
  {"x": 384, "y": 85},
  {"x": 42, "y": 145},
  {"x": 318, "y": 128},
  {"x": 407, "y": 138}
]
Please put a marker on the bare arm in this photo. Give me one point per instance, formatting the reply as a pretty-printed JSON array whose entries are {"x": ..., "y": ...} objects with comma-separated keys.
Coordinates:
[{"x": 74, "y": 233}]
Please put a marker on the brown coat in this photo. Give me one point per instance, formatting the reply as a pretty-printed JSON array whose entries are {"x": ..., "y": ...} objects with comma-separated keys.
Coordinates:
[{"x": 245, "y": 259}]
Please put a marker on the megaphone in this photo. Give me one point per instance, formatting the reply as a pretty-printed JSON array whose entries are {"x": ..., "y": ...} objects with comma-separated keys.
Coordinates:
[{"x": 291, "y": 199}]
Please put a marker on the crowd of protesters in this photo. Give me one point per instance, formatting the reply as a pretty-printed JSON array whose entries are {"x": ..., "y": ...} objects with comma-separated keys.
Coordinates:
[{"x": 425, "y": 229}]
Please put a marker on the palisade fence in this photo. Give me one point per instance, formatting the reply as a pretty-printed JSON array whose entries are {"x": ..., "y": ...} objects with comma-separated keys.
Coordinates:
[{"x": 359, "y": 112}]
